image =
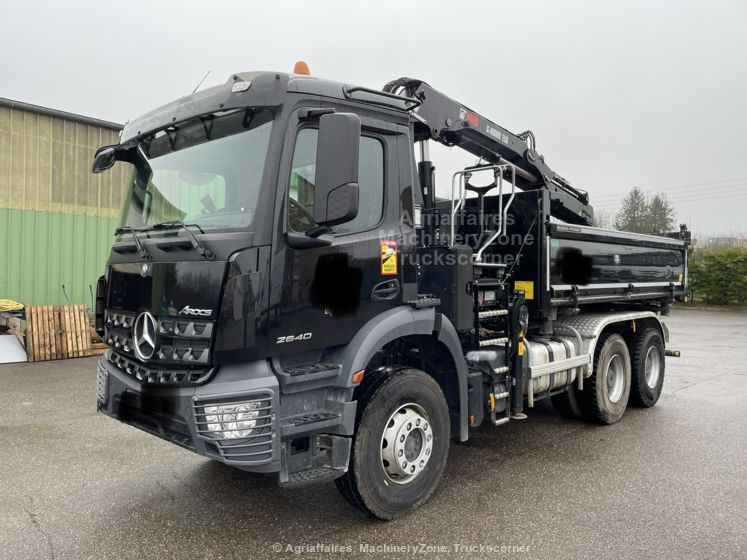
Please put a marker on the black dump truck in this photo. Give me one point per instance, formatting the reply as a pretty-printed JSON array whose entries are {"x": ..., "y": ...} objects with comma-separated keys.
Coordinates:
[{"x": 287, "y": 294}]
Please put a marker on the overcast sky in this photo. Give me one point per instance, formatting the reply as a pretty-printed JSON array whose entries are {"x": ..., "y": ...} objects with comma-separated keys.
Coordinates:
[{"x": 650, "y": 93}]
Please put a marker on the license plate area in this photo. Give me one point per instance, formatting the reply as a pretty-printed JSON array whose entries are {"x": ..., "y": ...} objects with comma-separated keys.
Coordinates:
[{"x": 144, "y": 403}]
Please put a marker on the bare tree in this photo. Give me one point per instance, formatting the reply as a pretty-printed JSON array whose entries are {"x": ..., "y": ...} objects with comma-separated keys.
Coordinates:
[{"x": 603, "y": 219}]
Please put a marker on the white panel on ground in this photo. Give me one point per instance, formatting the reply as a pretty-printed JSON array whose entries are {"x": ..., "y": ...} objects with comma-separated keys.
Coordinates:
[{"x": 11, "y": 350}]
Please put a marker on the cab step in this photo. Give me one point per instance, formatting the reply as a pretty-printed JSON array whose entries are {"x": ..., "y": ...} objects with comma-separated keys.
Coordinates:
[
  {"x": 303, "y": 377},
  {"x": 493, "y": 342},
  {"x": 301, "y": 479},
  {"x": 302, "y": 423},
  {"x": 423, "y": 301},
  {"x": 492, "y": 313},
  {"x": 312, "y": 418},
  {"x": 312, "y": 369}
]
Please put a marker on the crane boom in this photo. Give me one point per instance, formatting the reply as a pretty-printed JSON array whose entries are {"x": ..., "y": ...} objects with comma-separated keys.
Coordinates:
[{"x": 440, "y": 118}]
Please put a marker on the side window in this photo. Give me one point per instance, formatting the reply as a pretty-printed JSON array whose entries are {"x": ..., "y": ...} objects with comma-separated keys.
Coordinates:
[{"x": 301, "y": 188}]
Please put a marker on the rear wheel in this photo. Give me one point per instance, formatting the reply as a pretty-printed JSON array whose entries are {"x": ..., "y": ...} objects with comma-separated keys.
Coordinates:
[
  {"x": 400, "y": 445},
  {"x": 605, "y": 394},
  {"x": 647, "y": 356}
]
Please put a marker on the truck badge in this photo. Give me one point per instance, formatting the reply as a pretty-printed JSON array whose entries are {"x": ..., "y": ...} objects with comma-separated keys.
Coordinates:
[
  {"x": 194, "y": 312},
  {"x": 144, "y": 336},
  {"x": 388, "y": 258}
]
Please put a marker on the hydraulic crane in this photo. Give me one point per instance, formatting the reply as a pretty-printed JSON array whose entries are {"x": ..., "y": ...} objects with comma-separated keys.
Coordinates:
[{"x": 448, "y": 122}]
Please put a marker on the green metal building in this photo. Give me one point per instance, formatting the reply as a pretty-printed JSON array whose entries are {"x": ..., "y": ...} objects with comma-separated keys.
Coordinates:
[{"x": 56, "y": 218}]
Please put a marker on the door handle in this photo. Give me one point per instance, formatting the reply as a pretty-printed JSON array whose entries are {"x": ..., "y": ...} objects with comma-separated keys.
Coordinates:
[{"x": 384, "y": 291}]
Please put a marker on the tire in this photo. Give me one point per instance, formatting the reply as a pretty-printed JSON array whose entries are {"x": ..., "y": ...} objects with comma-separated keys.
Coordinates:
[
  {"x": 380, "y": 488},
  {"x": 566, "y": 404},
  {"x": 647, "y": 357},
  {"x": 605, "y": 394}
]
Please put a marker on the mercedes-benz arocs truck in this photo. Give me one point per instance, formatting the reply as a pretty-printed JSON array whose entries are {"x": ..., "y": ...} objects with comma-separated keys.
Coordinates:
[{"x": 287, "y": 294}]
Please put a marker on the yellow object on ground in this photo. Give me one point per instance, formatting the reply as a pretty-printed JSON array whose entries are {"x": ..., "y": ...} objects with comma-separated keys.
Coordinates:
[{"x": 10, "y": 305}]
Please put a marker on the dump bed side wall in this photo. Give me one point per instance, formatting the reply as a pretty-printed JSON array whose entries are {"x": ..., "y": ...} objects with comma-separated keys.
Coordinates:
[
  {"x": 592, "y": 265},
  {"x": 563, "y": 264},
  {"x": 573, "y": 261}
]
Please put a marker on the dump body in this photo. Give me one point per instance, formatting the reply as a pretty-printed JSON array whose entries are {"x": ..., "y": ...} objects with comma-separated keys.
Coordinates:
[
  {"x": 591, "y": 265},
  {"x": 568, "y": 265}
]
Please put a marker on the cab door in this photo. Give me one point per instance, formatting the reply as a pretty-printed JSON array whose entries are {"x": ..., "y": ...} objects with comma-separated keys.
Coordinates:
[{"x": 327, "y": 293}]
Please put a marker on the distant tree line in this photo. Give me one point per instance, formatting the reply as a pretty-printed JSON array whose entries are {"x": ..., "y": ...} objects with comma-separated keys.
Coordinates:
[{"x": 716, "y": 275}]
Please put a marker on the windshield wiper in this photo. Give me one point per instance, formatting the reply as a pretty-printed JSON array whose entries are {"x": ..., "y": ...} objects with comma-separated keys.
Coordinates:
[
  {"x": 176, "y": 224},
  {"x": 133, "y": 231}
]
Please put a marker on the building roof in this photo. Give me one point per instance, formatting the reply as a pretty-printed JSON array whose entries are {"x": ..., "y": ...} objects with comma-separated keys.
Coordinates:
[{"x": 11, "y": 104}]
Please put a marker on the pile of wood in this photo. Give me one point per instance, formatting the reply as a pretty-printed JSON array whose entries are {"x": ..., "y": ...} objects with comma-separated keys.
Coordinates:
[{"x": 56, "y": 332}]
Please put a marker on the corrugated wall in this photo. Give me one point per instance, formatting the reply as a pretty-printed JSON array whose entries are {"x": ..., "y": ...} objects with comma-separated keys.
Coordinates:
[{"x": 56, "y": 217}]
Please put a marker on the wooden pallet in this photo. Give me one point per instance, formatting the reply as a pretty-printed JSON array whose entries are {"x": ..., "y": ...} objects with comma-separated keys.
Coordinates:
[
  {"x": 55, "y": 332},
  {"x": 98, "y": 348}
]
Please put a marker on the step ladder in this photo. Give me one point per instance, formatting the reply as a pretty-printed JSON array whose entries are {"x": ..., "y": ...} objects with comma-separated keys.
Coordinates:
[
  {"x": 491, "y": 333},
  {"x": 499, "y": 397},
  {"x": 490, "y": 327}
]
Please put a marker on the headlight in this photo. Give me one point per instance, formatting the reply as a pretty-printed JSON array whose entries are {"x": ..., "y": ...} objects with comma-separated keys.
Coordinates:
[{"x": 232, "y": 421}]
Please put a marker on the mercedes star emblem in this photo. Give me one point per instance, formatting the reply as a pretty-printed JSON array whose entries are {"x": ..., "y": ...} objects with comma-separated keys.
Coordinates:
[{"x": 144, "y": 336}]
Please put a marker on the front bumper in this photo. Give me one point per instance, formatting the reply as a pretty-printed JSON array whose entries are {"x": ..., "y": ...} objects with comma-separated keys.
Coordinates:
[{"x": 176, "y": 414}]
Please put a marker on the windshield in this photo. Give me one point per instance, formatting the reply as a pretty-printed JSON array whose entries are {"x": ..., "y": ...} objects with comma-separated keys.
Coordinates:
[{"x": 206, "y": 172}]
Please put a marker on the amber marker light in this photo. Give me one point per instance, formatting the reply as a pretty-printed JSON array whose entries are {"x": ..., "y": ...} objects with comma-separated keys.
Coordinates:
[{"x": 301, "y": 68}]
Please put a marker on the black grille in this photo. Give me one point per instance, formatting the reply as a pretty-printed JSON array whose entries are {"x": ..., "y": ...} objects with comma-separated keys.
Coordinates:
[
  {"x": 180, "y": 341},
  {"x": 118, "y": 330},
  {"x": 152, "y": 374}
]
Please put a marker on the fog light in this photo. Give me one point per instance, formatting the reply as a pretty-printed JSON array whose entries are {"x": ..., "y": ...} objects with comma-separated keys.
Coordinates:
[{"x": 232, "y": 421}]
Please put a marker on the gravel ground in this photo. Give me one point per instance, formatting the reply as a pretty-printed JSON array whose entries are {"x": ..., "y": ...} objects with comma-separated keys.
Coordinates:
[{"x": 666, "y": 482}]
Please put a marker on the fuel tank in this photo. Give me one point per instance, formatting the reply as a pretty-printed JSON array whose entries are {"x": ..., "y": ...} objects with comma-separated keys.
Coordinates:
[{"x": 541, "y": 351}]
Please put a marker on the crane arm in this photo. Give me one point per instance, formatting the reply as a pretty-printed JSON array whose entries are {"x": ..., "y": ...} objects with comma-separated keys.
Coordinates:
[{"x": 448, "y": 122}]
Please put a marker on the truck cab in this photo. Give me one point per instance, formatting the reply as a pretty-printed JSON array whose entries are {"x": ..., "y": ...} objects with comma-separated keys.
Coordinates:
[{"x": 285, "y": 293}]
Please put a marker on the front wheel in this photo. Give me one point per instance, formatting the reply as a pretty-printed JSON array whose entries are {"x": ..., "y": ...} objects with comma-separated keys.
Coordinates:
[{"x": 400, "y": 445}]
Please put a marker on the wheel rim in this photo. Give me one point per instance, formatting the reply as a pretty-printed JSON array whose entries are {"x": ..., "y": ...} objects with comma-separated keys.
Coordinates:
[
  {"x": 653, "y": 367},
  {"x": 615, "y": 378},
  {"x": 406, "y": 444}
]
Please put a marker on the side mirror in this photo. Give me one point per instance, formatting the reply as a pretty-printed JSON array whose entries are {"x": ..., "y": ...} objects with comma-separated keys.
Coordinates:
[
  {"x": 104, "y": 159},
  {"x": 336, "y": 181}
]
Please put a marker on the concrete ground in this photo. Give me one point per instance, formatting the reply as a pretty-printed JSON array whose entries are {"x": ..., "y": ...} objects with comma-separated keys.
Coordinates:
[{"x": 666, "y": 482}]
